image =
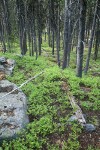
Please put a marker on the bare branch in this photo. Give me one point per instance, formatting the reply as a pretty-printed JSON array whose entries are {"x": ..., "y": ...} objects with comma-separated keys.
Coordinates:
[{"x": 30, "y": 79}]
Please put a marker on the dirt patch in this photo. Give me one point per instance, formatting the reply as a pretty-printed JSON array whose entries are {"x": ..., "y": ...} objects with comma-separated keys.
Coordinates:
[
  {"x": 64, "y": 86},
  {"x": 96, "y": 74},
  {"x": 87, "y": 139},
  {"x": 32, "y": 117},
  {"x": 57, "y": 139},
  {"x": 85, "y": 88}
]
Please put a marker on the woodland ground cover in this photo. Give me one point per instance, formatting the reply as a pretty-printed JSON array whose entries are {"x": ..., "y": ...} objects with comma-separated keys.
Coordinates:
[
  {"x": 72, "y": 31},
  {"x": 49, "y": 107}
]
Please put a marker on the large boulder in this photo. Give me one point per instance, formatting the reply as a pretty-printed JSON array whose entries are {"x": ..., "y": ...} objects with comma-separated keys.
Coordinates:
[{"x": 13, "y": 107}]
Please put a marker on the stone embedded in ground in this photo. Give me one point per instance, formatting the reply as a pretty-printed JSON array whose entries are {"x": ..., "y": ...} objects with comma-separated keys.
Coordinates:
[
  {"x": 89, "y": 127},
  {"x": 72, "y": 118},
  {"x": 13, "y": 107}
]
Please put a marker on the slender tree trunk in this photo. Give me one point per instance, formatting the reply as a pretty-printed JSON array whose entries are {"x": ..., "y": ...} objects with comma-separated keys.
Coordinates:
[
  {"x": 49, "y": 39},
  {"x": 39, "y": 42},
  {"x": 58, "y": 48},
  {"x": 58, "y": 35},
  {"x": 49, "y": 23},
  {"x": 29, "y": 42},
  {"x": 80, "y": 47},
  {"x": 53, "y": 41},
  {"x": 91, "y": 38},
  {"x": 45, "y": 33},
  {"x": 31, "y": 24},
  {"x": 69, "y": 33},
  {"x": 22, "y": 26},
  {"x": 39, "y": 26},
  {"x": 6, "y": 14},
  {"x": 66, "y": 35},
  {"x": 35, "y": 39},
  {"x": 32, "y": 47},
  {"x": 97, "y": 42},
  {"x": 2, "y": 36}
]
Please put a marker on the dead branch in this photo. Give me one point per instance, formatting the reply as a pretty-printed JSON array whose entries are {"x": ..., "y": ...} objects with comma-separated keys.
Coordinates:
[
  {"x": 78, "y": 111},
  {"x": 30, "y": 79}
]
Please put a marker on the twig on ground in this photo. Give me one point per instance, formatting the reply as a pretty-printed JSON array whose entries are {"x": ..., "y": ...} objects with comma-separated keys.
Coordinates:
[{"x": 22, "y": 84}]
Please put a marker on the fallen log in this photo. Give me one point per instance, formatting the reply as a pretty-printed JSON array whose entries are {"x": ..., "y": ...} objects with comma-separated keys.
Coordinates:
[{"x": 78, "y": 112}]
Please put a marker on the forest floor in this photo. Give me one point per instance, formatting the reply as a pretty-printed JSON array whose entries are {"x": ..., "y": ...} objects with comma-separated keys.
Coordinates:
[{"x": 49, "y": 107}]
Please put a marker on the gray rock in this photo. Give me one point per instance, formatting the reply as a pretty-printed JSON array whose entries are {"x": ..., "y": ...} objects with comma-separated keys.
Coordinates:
[
  {"x": 89, "y": 127},
  {"x": 6, "y": 86},
  {"x": 11, "y": 62},
  {"x": 2, "y": 59},
  {"x": 13, "y": 107},
  {"x": 9, "y": 71},
  {"x": 7, "y": 65},
  {"x": 72, "y": 118},
  {"x": 2, "y": 69}
]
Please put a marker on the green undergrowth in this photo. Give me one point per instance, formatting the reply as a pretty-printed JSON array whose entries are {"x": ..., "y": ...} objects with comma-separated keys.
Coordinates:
[{"x": 49, "y": 107}]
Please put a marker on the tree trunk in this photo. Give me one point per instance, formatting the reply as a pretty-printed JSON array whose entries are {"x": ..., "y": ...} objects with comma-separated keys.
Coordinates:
[
  {"x": 35, "y": 39},
  {"x": 91, "y": 38},
  {"x": 66, "y": 38},
  {"x": 53, "y": 41},
  {"x": 22, "y": 26},
  {"x": 2, "y": 36},
  {"x": 80, "y": 47},
  {"x": 4, "y": 4},
  {"x": 97, "y": 42},
  {"x": 97, "y": 36},
  {"x": 39, "y": 26},
  {"x": 58, "y": 34},
  {"x": 67, "y": 34},
  {"x": 49, "y": 23}
]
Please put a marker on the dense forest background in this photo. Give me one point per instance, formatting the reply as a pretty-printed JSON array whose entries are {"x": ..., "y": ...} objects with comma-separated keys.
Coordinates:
[{"x": 64, "y": 24}]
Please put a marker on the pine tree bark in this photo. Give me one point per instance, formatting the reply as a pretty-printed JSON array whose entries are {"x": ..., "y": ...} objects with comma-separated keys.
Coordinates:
[
  {"x": 80, "y": 47},
  {"x": 49, "y": 23},
  {"x": 5, "y": 9},
  {"x": 2, "y": 36},
  {"x": 22, "y": 26},
  {"x": 67, "y": 33},
  {"x": 58, "y": 34},
  {"x": 39, "y": 26},
  {"x": 97, "y": 43},
  {"x": 91, "y": 38},
  {"x": 53, "y": 41}
]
